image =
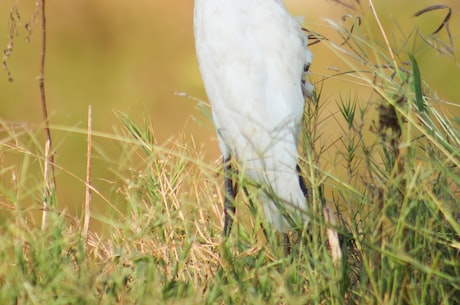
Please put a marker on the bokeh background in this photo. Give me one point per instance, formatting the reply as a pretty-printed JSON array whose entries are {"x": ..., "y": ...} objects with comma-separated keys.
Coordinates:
[{"x": 133, "y": 56}]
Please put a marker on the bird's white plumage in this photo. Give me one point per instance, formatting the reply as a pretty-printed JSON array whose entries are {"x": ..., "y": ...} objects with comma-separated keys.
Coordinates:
[{"x": 252, "y": 55}]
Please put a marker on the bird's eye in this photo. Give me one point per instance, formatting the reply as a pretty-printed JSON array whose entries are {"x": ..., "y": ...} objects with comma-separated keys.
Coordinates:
[{"x": 306, "y": 67}]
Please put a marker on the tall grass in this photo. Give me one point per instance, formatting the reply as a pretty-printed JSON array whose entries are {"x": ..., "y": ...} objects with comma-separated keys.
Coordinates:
[{"x": 399, "y": 209}]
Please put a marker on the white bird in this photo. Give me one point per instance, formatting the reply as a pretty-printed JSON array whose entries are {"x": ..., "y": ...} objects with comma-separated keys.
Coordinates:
[{"x": 253, "y": 59}]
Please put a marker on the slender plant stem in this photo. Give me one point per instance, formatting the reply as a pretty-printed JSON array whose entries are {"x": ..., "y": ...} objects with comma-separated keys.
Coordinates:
[
  {"x": 87, "y": 211},
  {"x": 50, "y": 186}
]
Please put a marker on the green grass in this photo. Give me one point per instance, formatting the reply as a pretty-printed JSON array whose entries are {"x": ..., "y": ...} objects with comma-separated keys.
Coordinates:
[{"x": 162, "y": 242}]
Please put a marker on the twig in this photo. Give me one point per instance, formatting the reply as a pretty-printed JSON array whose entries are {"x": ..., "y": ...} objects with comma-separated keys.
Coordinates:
[
  {"x": 349, "y": 6},
  {"x": 50, "y": 188},
  {"x": 13, "y": 31},
  {"x": 87, "y": 209},
  {"x": 382, "y": 31},
  {"x": 47, "y": 197}
]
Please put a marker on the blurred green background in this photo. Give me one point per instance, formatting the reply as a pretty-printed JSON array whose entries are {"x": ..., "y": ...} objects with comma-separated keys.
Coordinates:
[{"x": 132, "y": 56}]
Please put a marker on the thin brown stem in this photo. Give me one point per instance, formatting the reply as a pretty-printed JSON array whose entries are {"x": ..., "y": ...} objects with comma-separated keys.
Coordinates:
[{"x": 50, "y": 186}]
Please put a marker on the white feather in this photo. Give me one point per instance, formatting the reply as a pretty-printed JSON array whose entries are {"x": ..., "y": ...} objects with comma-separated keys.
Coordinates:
[{"x": 252, "y": 55}]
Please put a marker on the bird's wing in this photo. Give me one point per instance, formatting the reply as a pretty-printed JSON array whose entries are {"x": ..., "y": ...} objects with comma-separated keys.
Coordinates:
[{"x": 252, "y": 56}]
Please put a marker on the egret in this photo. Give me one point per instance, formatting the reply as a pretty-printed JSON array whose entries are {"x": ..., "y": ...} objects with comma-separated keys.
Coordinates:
[{"x": 253, "y": 59}]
